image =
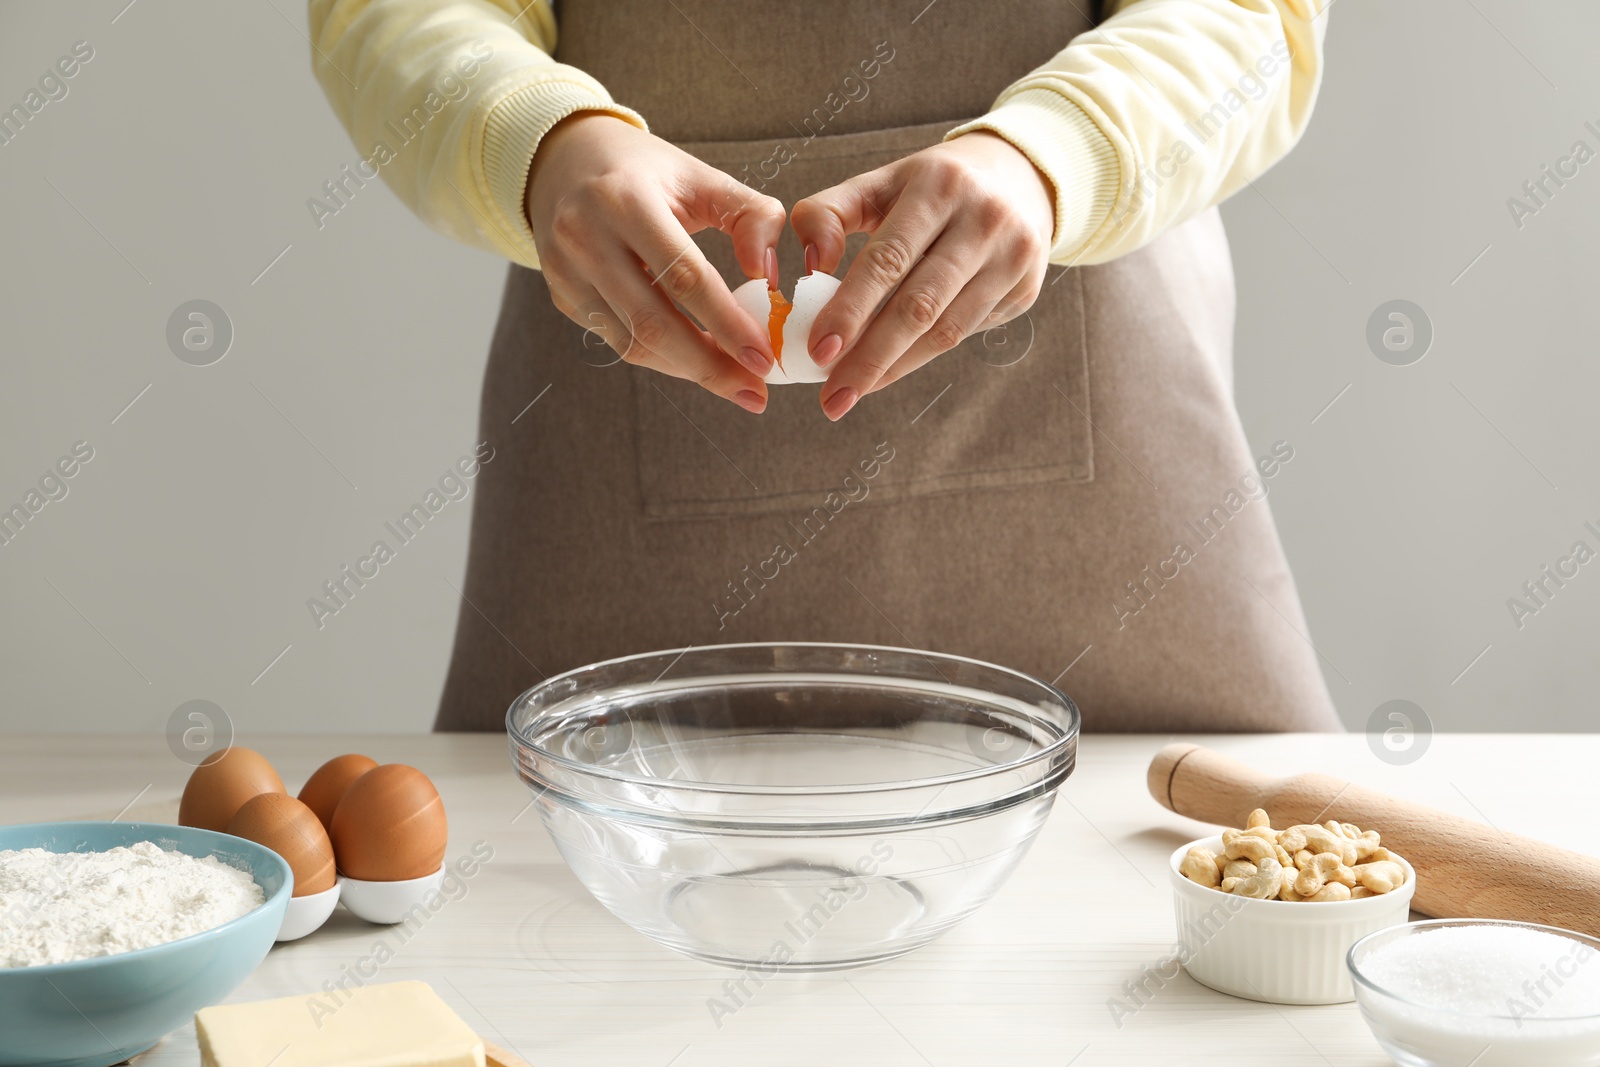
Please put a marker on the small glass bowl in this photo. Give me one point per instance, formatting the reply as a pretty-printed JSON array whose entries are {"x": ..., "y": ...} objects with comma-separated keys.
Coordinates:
[
  {"x": 793, "y": 806},
  {"x": 1417, "y": 1034}
]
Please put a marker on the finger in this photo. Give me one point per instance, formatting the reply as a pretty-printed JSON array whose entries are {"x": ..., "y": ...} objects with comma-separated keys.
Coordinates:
[
  {"x": 660, "y": 338},
  {"x": 753, "y": 220},
  {"x": 888, "y": 257},
  {"x": 682, "y": 272},
  {"x": 965, "y": 316},
  {"x": 915, "y": 309},
  {"x": 823, "y": 220},
  {"x": 974, "y": 311},
  {"x": 603, "y": 333}
]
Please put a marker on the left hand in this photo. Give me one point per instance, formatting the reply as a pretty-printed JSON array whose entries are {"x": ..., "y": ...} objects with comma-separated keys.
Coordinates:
[{"x": 960, "y": 242}]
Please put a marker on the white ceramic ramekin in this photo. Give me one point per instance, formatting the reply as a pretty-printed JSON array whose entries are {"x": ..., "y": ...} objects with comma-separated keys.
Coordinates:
[
  {"x": 306, "y": 914},
  {"x": 1285, "y": 952},
  {"x": 388, "y": 903}
]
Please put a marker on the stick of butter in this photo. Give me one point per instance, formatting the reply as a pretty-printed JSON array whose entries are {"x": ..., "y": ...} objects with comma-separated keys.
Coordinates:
[{"x": 399, "y": 1024}]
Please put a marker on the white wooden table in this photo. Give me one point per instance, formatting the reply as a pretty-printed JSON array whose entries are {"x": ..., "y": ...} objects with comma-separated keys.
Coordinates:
[{"x": 530, "y": 959}]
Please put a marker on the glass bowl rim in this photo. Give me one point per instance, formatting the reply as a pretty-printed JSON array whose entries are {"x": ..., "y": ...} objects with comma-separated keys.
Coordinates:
[
  {"x": 1067, "y": 740},
  {"x": 1408, "y": 928}
]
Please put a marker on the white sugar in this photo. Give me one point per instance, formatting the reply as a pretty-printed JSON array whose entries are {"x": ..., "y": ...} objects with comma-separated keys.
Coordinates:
[
  {"x": 1493, "y": 996},
  {"x": 1490, "y": 970}
]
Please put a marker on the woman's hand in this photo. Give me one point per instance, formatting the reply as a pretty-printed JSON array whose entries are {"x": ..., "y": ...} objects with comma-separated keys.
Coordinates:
[
  {"x": 612, "y": 208},
  {"x": 960, "y": 239}
]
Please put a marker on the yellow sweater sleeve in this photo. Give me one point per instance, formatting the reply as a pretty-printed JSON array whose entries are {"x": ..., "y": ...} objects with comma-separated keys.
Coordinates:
[
  {"x": 447, "y": 100},
  {"x": 1167, "y": 107},
  {"x": 1164, "y": 109}
]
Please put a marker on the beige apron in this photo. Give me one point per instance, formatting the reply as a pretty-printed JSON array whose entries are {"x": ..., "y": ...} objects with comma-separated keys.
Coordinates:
[{"x": 1071, "y": 495}]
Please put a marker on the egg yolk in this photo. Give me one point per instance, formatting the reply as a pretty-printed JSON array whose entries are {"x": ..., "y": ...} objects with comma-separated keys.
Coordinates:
[{"x": 775, "y": 321}]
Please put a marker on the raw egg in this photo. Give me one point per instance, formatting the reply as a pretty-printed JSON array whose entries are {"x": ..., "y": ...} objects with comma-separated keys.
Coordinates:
[
  {"x": 390, "y": 826},
  {"x": 219, "y": 787},
  {"x": 290, "y": 829},
  {"x": 789, "y": 324},
  {"x": 322, "y": 790}
]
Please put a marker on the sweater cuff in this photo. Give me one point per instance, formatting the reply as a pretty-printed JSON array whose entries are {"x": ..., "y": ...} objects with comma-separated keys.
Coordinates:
[
  {"x": 1070, "y": 150},
  {"x": 512, "y": 132}
]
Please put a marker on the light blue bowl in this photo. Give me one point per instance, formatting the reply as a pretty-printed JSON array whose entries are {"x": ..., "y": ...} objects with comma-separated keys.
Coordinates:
[{"x": 101, "y": 1011}]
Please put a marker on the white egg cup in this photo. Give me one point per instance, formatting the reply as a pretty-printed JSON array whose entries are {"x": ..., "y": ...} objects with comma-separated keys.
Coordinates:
[
  {"x": 387, "y": 903},
  {"x": 307, "y": 914}
]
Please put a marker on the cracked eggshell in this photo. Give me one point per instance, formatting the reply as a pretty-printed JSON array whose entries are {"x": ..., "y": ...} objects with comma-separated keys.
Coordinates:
[
  {"x": 753, "y": 301},
  {"x": 810, "y": 294}
]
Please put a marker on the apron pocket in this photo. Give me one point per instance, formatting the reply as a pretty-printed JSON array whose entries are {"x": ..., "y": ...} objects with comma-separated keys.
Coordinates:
[{"x": 1004, "y": 409}]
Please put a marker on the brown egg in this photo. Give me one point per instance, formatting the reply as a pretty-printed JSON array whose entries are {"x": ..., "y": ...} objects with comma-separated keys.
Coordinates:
[
  {"x": 219, "y": 787},
  {"x": 389, "y": 826},
  {"x": 323, "y": 789},
  {"x": 290, "y": 829}
]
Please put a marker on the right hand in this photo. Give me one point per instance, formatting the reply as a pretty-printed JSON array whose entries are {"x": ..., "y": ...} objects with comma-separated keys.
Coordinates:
[{"x": 612, "y": 208}]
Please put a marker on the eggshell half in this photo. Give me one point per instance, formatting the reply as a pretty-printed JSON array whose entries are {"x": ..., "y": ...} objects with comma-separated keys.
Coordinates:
[
  {"x": 810, "y": 294},
  {"x": 753, "y": 301}
]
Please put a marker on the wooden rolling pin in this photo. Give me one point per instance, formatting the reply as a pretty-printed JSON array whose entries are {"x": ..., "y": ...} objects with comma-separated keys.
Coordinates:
[{"x": 1464, "y": 868}]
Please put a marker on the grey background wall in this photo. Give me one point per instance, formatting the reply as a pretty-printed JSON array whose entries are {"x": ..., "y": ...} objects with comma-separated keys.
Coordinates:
[{"x": 219, "y": 498}]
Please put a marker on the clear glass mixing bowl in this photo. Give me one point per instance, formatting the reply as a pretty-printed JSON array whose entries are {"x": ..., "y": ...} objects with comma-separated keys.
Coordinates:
[{"x": 793, "y": 806}]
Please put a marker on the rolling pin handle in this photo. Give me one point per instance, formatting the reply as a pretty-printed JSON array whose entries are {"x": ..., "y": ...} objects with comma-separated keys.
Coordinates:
[
  {"x": 1201, "y": 783},
  {"x": 1162, "y": 768}
]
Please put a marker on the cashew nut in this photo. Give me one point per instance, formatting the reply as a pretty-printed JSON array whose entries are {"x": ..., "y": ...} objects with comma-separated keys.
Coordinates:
[
  {"x": 1367, "y": 841},
  {"x": 1308, "y": 835},
  {"x": 1248, "y": 845},
  {"x": 1200, "y": 865},
  {"x": 1381, "y": 876},
  {"x": 1321, "y": 839},
  {"x": 1304, "y": 862},
  {"x": 1238, "y": 869},
  {"x": 1325, "y": 868},
  {"x": 1318, "y": 839},
  {"x": 1265, "y": 883}
]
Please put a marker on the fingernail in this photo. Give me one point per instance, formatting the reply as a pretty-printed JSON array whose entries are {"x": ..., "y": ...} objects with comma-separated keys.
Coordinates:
[
  {"x": 750, "y": 400},
  {"x": 839, "y": 403},
  {"x": 827, "y": 350},
  {"x": 754, "y": 362},
  {"x": 772, "y": 268},
  {"x": 811, "y": 258}
]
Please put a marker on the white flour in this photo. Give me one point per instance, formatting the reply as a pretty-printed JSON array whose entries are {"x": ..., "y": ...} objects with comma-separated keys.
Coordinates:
[{"x": 56, "y": 907}]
